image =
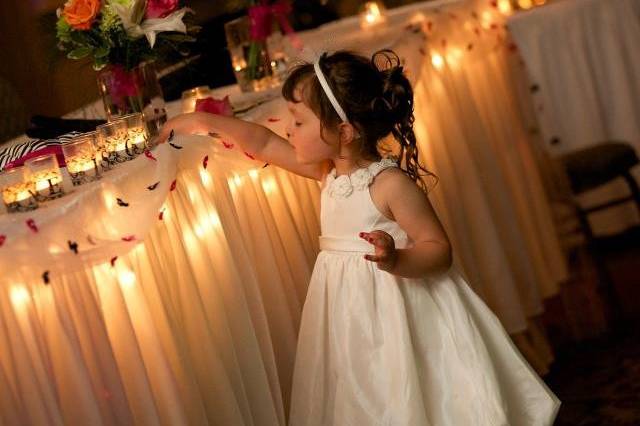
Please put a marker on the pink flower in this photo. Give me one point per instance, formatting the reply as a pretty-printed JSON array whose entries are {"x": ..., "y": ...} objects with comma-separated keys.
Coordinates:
[
  {"x": 160, "y": 8},
  {"x": 215, "y": 106},
  {"x": 120, "y": 84}
]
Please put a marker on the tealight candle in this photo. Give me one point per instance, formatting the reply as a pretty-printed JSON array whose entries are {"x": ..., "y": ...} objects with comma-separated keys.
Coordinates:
[
  {"x": 122, "y": 139},
  {"x": 189, "y": 97},
  {"x": 17, "y": 190},
  {"x": 80, "y": 155},
  {"x": 372, "y": 14},
  {"x": 46, "y": 177}
]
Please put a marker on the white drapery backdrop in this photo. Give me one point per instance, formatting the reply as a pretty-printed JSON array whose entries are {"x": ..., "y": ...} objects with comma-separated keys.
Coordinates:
[{"x": 583, "y": 57}]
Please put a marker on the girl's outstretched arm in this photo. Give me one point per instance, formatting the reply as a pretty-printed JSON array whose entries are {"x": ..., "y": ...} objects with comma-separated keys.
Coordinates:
[{"x": 257, "y": 140}]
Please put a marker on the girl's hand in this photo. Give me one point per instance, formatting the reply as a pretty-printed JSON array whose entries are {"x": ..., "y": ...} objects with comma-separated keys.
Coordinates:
[
  {"x": 386, "y": 254},
  {"x": 185, "y": 124}
]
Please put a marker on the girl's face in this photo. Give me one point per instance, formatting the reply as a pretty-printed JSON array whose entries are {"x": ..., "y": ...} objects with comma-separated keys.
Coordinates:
[{"x": 303, "y": 132}]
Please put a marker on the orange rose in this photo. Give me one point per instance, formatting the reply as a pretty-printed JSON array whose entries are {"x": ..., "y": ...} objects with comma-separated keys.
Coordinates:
[{"x": 81, "y": 13}]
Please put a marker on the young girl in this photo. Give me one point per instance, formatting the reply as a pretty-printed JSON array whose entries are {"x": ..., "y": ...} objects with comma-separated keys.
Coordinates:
[{"x": 389, "y": 334}]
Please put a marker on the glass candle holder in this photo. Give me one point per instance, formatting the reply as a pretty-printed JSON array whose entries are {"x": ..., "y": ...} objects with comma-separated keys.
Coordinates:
[
  {"x": 17, "y": 190},
  {"x": 45, "y": 177},
  {"x": 82, "y": 159},
  {"x": 189, "y": 97},
  {"x": 123, "y": 139}
]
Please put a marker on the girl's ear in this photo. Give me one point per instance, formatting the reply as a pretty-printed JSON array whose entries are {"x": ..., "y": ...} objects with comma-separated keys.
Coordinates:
[{"x": 347, "y": 133}]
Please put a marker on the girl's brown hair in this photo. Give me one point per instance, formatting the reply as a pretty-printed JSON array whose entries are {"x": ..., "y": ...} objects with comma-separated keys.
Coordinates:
[{"x": 376, "y": 97}]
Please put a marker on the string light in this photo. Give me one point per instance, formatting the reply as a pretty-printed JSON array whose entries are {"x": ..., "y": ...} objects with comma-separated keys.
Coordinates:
[
  {"x": 525, "y": 4},
  {"x": 109, "y": 200},
  {"x": 19, "y": 296},
  {"x": 55, "y": 249},
  {"x": 437, "y": 61},
  {"x": 487, "y": 17},
  {"x": 214, "y": 219},
  {"x": 269, "y": 186},
  {"x": 205, "y": 177},
  {"x": 193, "y": 193},
  {"x": 504, "y": 6},
  {"x": 126, "y": 277}
]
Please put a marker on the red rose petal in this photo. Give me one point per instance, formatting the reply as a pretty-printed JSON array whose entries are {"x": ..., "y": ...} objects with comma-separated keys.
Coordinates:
[
  {"x": 173, "y": 185},
  {"x": 32, "y": 225},
  {"x": 149, "y": 155},
  {"x": 161, "y": 215},
  {"x": 249, "y": 155},
  {"x": 205, "y": 161},
  {"x": 227, "y": 145},
  {"x": 3, "y": 238},
  {"x": 129, "y": 238}
]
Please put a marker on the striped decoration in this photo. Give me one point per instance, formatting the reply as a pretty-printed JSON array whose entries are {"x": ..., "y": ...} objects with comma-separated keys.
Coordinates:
[{"x": 15, "y": 152}]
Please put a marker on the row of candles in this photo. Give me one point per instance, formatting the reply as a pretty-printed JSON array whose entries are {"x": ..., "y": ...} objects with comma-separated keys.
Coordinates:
[{"x": 87, "y": 156}]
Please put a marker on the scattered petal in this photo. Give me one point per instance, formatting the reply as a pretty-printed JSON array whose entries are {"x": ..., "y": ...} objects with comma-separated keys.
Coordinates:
[
  {"x": 113, "y": 261},
  {"x": 3, "y": 238},
  {"x": 129, "y": 238},
  {"x": 122, "y": 203},
  {"x": 154, "y": 186},
  {"x": 173, "y": 185},
  {"x": 149, "y": 155},
  {"x": 249, "y": 155},
  {"x": 227, "y": 145},
  {"x": 32, "y": 225},
  {"x": 205, "y": 161},
  {"x": 73, "y": 246},
  {"x": 45, "y": 277}
]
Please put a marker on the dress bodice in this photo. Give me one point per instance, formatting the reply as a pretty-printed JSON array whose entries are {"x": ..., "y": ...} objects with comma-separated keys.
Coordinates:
[{"x": 347, "y": 208}]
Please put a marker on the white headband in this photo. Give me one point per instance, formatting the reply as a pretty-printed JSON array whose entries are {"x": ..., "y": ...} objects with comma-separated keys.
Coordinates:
[{"x": 328, "y": 92}]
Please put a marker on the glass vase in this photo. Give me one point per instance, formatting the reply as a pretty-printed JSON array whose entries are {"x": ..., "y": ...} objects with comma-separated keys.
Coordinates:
[
  {"x": 136, "y": 91},
  {"x": 252, "y": 61}
]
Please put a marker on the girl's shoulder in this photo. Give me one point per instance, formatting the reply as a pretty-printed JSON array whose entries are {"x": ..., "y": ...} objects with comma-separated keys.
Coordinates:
[
  {"x": 392, "y": 185},
  {"x": 390, "y": 177}
]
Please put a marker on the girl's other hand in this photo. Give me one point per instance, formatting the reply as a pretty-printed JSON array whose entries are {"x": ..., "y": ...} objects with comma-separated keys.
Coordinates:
[{"x": 385, "y": 255}]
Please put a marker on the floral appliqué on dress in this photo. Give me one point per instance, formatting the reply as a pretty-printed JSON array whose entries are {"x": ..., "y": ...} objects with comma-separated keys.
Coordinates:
[{"x": 344, "y": 185}]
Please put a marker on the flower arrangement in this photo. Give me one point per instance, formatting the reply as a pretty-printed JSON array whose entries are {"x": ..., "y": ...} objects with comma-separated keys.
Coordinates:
[
  {"x": 262, "y": 14},
  {"x": 122, "y": 32}
]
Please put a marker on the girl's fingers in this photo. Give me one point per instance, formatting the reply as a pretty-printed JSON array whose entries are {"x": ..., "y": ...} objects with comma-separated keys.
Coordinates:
[{"x": 379, "y": 239}]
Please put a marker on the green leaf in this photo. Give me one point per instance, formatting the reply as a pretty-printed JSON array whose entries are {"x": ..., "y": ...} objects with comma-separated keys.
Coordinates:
[
  {"x": 101, "y": 52},
  {"x": 79, "y": 53}
]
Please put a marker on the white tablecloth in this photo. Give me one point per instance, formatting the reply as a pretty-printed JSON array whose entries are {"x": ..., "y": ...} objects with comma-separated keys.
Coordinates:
[
  {"x": 583, "y": 57},
  {"x": 197, "y": 323}
]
